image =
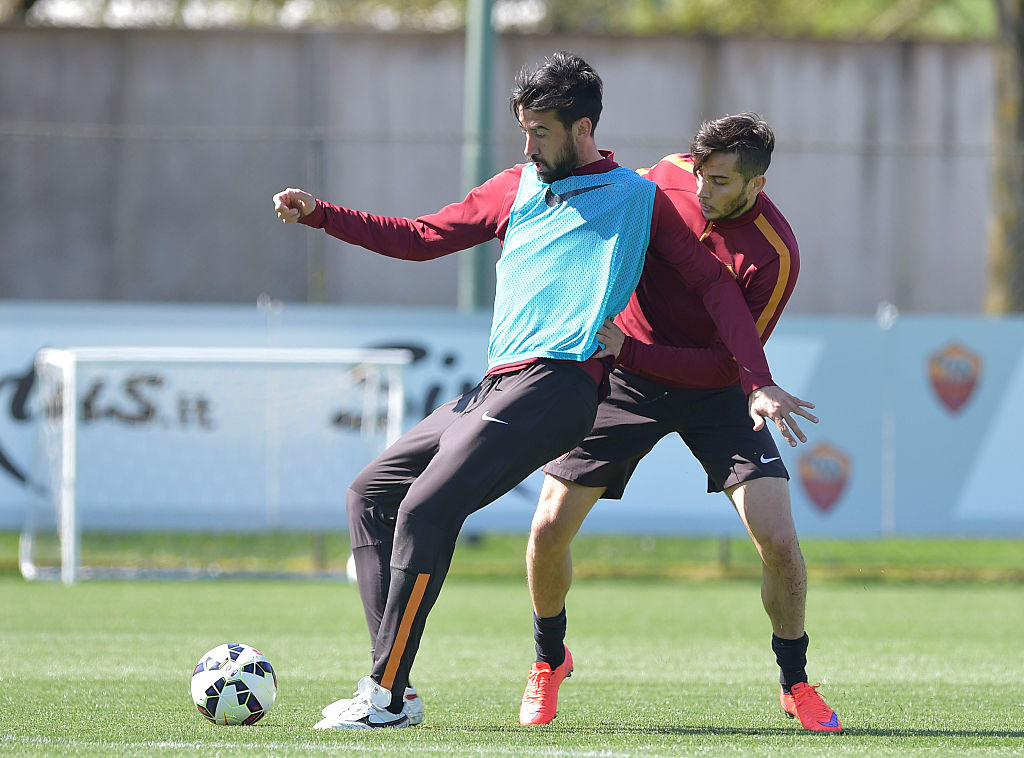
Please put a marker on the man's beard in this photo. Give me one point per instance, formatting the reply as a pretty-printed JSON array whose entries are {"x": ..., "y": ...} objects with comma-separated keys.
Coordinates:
[
  {"x": 734, "y": 209},
  {"x": 564, "y": 164}
]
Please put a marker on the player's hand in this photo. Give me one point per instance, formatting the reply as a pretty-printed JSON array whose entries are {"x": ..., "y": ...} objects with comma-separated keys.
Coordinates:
[
  {"x": 292, "y": 204},
  {"x": 778, "y": 405},
  {"x": 611, "y": 337}
]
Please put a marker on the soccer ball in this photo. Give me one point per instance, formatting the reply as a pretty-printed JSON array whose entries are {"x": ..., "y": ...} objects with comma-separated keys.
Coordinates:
[{"x": 234, "y": 684}]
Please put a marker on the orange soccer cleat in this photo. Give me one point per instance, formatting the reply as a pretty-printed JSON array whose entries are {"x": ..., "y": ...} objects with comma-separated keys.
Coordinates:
[
  {"x": 807, "y": 705},
  {"x": 540, "y": 700}
]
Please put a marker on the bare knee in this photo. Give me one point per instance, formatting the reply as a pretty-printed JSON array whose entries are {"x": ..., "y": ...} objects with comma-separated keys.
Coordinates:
[
  {"x": 560, "y": 512},
  {"x": 549, "y": 529},
  {"x": 763, "y": 505},
  {"x": 780, "y": 547}
]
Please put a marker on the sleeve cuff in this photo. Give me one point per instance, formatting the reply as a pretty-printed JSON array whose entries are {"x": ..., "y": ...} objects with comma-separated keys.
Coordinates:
[
  {"x": 750, "y": 383},
  {"x": 316, "y": 218},
  {"x": 627, "y": 353}
]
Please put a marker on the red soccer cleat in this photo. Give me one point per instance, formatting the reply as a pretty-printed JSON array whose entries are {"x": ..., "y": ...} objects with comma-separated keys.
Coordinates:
[
  {"x": 807, "y": 705},
  {"x": 540, "y": 700}
]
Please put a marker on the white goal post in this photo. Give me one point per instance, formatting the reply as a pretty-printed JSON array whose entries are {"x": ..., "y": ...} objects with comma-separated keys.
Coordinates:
[{"x": 202, "y": 439}]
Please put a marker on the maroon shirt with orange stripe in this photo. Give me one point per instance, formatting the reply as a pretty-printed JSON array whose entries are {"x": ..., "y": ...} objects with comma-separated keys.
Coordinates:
[{"x": 669, "y": 336}]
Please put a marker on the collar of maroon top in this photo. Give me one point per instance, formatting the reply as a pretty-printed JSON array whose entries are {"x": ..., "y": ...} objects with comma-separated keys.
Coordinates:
[
  {"x": 746, "y": 218},
  {"x": 606, "y": 164}
]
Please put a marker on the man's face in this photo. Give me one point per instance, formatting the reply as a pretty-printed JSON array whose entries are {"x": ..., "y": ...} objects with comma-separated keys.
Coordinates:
[
  {"x": 722, "y": 190},
  {"x": 549, "y": 145}
]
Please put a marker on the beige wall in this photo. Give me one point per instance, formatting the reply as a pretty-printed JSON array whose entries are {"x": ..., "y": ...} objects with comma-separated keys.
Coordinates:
[{"x": 139, "y": 165}]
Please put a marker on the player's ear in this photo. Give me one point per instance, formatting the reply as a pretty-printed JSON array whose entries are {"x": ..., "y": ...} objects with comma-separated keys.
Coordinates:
[
  {"x": 582, "y": 128},
  {"x": 757, "y": 183}
]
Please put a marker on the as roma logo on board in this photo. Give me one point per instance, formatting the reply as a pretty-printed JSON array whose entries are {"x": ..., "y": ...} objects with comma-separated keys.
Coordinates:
[
  {"x": 954, "y": 372},
  {"x": 824, "y": 472}
]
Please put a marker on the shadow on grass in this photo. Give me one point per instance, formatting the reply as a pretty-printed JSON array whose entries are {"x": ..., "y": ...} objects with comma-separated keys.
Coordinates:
[
  {"x": 994, "y": 733},
  {"x": 729, "y": 731}
]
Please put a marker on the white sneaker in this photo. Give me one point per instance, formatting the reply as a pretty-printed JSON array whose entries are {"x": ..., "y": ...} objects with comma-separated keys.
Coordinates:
[
  {"x": 367, "y": 710},
  {"x": 413, "y": 706}
]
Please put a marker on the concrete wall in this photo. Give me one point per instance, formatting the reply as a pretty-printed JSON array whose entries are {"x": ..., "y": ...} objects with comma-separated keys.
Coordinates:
[{"x": 139, "y": 165}]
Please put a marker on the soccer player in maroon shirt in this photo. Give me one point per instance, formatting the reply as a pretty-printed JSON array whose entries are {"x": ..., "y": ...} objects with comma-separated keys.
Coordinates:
[{"x": 673, "y": 375}]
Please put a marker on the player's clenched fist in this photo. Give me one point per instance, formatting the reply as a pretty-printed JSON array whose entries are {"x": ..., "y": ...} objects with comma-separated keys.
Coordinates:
[{"x": 292, "y": 204}]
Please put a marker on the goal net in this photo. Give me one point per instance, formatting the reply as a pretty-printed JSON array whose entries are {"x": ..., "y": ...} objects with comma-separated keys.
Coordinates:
[{"x": 201, "y": 440}]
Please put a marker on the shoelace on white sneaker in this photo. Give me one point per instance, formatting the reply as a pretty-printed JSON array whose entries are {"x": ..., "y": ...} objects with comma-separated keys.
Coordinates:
[
  {"x": 412, "y": 701},
  {"x": 340, "y": 704},
  {"x": 359, "y": 706}
]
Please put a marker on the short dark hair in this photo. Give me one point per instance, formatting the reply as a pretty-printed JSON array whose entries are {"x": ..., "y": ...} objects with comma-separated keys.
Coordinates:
[
  {"x": 745, "y": 134},
  {"x": 566, "y": 84}
]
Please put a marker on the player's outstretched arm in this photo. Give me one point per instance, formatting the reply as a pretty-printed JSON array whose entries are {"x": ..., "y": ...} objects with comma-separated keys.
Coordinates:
[
  {"x": 480, "y": 217},
  {"x": 293, "y": 204},
  {"x": 773, "y": 402}
]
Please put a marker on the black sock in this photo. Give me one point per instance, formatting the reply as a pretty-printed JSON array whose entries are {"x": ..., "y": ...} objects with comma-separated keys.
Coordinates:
[
  {"x": 791, "y": 656},
  {"x": 549, "y": 635}
]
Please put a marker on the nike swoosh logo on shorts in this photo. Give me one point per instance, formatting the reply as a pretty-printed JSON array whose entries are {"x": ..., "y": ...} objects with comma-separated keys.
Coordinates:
[
  {"x": 488, "y": 417},
  {"x": 768, "y": 460}
]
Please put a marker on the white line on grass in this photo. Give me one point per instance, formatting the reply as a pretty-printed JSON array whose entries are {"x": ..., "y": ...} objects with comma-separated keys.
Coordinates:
[{"x": 323, "y": 747}]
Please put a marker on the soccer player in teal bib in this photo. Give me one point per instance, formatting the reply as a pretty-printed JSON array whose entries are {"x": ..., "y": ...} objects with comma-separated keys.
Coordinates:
[
  {"x": 575, "y": 229},
  {"x": 601, "y": 220}
]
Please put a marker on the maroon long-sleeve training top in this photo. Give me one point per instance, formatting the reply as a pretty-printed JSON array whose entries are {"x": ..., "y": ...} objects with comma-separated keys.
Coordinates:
[{"x": 671, "y": 337}]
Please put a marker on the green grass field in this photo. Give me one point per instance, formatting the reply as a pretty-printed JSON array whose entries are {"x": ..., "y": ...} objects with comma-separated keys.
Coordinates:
[{"x": 664, "y": 667}]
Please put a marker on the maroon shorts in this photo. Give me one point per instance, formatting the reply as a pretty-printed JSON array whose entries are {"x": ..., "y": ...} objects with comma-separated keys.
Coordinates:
[{"x": 639, "y": 412}]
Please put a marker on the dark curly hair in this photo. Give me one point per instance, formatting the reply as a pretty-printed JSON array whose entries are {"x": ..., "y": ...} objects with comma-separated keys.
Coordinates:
[
  {"x": 566, "y": 84},
  {"x": 746, "y": 134}
]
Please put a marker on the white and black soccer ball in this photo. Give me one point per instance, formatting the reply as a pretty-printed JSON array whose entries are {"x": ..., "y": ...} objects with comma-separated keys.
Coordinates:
[{"x": 234, "y": 684}]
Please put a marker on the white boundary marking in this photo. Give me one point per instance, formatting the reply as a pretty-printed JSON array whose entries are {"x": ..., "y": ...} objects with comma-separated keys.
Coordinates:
[{"x": 309, "y": 746}]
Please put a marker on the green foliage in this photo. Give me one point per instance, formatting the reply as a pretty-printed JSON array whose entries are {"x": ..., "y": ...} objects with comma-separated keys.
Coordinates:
[
  {"x": 662, "y": 669},
  {"x": 849, "y": 19}
]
